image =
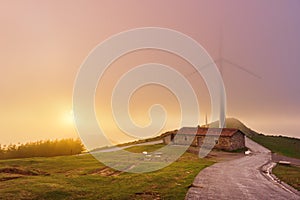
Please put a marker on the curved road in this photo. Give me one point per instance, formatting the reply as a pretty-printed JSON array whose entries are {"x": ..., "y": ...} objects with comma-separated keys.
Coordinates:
[{"x": 239, "y": 179}]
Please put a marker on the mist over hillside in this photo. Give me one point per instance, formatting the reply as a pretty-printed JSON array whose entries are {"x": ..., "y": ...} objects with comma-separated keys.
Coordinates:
[
  {"x": 237, "y": 124},
  {"x": 277, "y": 144}
]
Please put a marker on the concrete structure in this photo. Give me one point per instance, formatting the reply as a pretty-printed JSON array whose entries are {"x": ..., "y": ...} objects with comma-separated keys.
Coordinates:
[{"x": 229, "y": 139}]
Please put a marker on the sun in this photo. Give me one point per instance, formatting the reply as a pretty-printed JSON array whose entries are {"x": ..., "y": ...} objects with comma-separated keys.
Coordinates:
[{"x": 68, "y": 117}]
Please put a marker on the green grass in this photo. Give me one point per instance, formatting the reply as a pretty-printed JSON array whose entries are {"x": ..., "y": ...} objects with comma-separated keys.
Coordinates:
[
  {"x": 278, "y": 144},
  {"x": 72, "y": 177},
  {"x": 288, "y": 174}
]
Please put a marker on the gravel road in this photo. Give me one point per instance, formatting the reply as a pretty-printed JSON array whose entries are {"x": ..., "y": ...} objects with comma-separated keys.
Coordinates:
[{"x": 239, "y": 179}]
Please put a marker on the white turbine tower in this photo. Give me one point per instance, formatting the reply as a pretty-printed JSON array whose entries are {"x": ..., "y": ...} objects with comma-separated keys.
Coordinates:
[{"x": 220, "y": 62}]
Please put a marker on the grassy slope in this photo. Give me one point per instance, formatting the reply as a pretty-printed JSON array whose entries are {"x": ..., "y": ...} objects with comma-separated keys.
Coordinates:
[
  {"x": 282, "y": 145},
  {"x": 71, "y": 177},
  {"x": 234, "y": 123},
  {"x": 288, "y": 174},
  {"x": 160, "y": 137}
]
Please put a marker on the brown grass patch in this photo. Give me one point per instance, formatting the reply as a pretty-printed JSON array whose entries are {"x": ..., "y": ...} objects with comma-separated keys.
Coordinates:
[
  {"x": 20, "y": 171},
  {"x": 10, "y": 173}
]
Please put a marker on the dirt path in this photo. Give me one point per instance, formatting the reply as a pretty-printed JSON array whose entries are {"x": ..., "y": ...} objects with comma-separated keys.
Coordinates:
[
  {"x": 112, "y": 149},
  {"x": 239, "y": 179}
]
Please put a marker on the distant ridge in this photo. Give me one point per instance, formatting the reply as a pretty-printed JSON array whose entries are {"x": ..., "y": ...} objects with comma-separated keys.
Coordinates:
[
  {"x": 283, "y": 145},
  {"x": 277, "y": 144},
  {"x": 235, "y": 123},
  {"x": 230, "y": 123}
]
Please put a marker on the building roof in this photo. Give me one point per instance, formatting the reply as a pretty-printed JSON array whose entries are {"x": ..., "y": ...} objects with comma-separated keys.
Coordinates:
[{"x": 225, "y": 132}]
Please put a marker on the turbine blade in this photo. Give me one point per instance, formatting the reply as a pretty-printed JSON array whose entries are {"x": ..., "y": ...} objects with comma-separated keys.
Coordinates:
[
  {"x": 204, "y": 66},
  {"x": 242, "y": 68}
]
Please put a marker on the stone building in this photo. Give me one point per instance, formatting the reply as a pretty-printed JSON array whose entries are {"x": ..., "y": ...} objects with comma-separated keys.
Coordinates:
[{"x": 229, "y": 139}]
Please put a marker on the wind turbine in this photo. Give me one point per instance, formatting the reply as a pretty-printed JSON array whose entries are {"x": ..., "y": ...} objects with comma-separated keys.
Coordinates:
[{"x": 219, "y": 62}]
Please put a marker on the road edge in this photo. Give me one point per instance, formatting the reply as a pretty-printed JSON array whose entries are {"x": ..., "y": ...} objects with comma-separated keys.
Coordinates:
[{"x": 266, "y": 171}]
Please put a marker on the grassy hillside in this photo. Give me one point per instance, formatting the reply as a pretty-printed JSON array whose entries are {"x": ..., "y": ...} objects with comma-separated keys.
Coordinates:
[
  {"x": 83, "y": 177},
  {"x": 282, "y": 145},
  {"x": 160, "y": 137},
  {"x": 288, "y": 174},
  {"x": 278, "y": 144},
  {"x": 234, "y": 123}
]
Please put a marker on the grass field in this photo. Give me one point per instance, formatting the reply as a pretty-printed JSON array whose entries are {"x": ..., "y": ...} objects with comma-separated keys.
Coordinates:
[
  {"x": 83, "y": 177},
  {"x": 288, "y": 174},
  {"x": 278, "y": 144}
]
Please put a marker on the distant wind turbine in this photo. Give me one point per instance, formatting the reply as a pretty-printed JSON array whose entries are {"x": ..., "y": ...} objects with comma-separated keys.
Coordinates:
[{"x": 219, "y": 62}]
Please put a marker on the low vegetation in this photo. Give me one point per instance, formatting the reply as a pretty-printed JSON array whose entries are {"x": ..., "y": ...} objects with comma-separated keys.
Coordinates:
[
  {"x": 45, "y": 148},
  {"x": 278, "y": 144},
  {"x": 141, "y": 141},
  {"x": 288, "y": 174},
  {"x": 83, "y": 177}
]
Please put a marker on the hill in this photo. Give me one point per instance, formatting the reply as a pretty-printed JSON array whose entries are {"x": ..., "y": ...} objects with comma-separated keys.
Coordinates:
[
  {"x": 278, "y": 144},
  {"x": 234, "y": 123}
]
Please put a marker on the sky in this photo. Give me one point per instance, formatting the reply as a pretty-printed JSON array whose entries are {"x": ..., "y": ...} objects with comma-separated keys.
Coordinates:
[{"x": 44, "y": 43}]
